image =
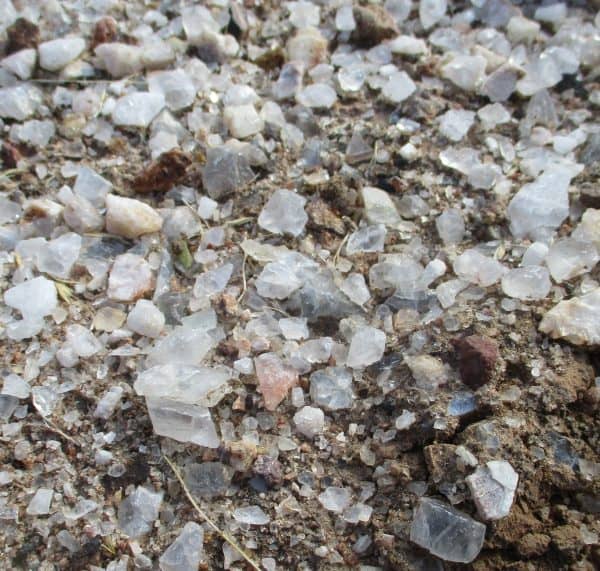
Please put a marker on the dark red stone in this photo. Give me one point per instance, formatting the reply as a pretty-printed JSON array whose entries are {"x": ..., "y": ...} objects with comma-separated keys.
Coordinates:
[
  {"x": 269, "y": 469},
  {"x": 22, "y": 34},
  {"x": 477, "y": 358}
]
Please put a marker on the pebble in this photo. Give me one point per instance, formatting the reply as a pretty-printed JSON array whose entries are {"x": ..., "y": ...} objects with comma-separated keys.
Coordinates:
[
  {"x": 138, "y": 511},
  {"x": 331, "y": 388},
  {"x": 335, "y": 499},
  {"x": 146, "y": 319},
  {"x": 275, "y": 378},
  {"x": 367, "y": 347},
  {"x": 309, "y": 421},
  {"x": 34, "y": 298},
  {"x": 450, "y": 226},
  {"x": 477, "y": 357},
  {"x": 186, "y": 552},
  {"x": 21, "y": 63},
  {"x": 428, "y": 372},
  {"x": 568, "y": 258},
  {"x": 475, "y": 267},
  {"x": 118, "y": 59},
  {"x": 466, "y": 72},
  {"x": 317, "y": 96},
  {"x": 398, "y": 87},
  {"x": 251, "y": 515},
  {"x": 379, "y": 207},
  {"x": 130, "y": 218},
  {"x": 242, "y": 121},
  {"x": 137, "y": 109},
  {"x": 527, "y": 283},
  {"x": 40, "y": 503}
]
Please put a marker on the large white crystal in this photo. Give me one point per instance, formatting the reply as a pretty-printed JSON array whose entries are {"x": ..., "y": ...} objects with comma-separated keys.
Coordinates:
[
  {"x": 576, "y": 320},
  {"x": 175, "y": 86},
  {"x": 569, "y": 257},
  {"x": 58, "y": 256},
  {"x": 366, "y": 239},
  {"x": 366, "y": 347},
  {"x": 56, "y": 54},
  {"x": 243, "y": 121},
  {"x": 466, "y": 72},
  {"x": 317, "y": 95},
  {"x": 527, "y": 283},
  {"x": 398, "y": 87},
  {"x": 251, "y": 515},
  {"x": 475, "y": 267},
  {"x": 540, "y": 206},
  {"x": 431, "y": 12},
  {"x": 137, "y": 109},
  {"x": 493, "y": 489},
  {"x": 446, "y": 532},
  {"x": 35, "y": 298},
  {"x": 455, "y": 123},
  {"x": 450, "y": 226},
  {"x": 130, "y": 218},
  {"x": 331, "y": 388},
  {"x": 284, "y": 213},
  {"x": 146, "y": 319},
  {"x": 309, "y": 421},
  {"x": 21, "y": 63},
  {"x": 379, "y": 207},
  {"x": 19, "y": 102},
  {"x": 335, "y": 499}
]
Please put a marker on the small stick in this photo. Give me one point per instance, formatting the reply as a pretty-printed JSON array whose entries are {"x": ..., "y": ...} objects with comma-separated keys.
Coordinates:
[
  {"x": 225, "y": 536},
  {"x": 244, "y": 282}
]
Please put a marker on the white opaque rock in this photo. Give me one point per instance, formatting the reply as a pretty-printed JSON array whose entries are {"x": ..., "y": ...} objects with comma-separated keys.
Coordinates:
[
  {"x": 21, "y": 63},
  {"x": 294, "y": 327},
  {"x": 309, "y": 421},
  {"x": 56, "y": 54},
  {"x": 35, "y": 298},
  {"x": 535, "y": 254},
  {"x": 19, "y": 102},
  {"x": 588, "y": 230},
  {"x": 366, "y": 347},
  {"x": 428, "y": 372},
  {"x": 475, "y": 267},
  {"x": 243, "y": 121},
  {"x": 130, "y": 278},
  {"x": 108, "y": 403},
  {"x": 527, "y": 283},
  {"x": 92, "y": 186},
  {"x": 379, "y": 207},
  {"x": 146, "y": 319},
  {"x": 522, "y": 30},
  {"x": 58, "y": 256},
  {"x": 450, "y": 226},
  {"x": 355, "y": 287},
  {"x": 568, "y": 258},
  {"x": 119, "y": 59},
  {"x": 130, "y": 218},
  {"x": 493, "y": 489},
  {"x": 81, "y": 215},
  {"x": 576, "y": 320},
  {"x": 137, "y": 109},
  {"x": 284, "y": 213}
]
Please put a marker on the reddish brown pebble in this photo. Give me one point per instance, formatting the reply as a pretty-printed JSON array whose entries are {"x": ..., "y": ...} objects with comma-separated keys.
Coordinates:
[
  {"x": 269, "y": 469},
  {"x": 10, "y": 155},
  {"x": 105, "y": 31},
  {"x": 22, "y": 34},
  {"x": 163, "y": 173},
  {"x": 477, "y": 357}
]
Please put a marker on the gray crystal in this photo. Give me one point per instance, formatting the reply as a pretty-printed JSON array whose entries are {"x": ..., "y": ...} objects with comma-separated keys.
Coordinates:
[
  {"x": 331, "y": 388},
  {"x": 493, "y": 489},
  {"x": 35, "y": 298},
  {"x": 284, "y": 213},
  {"x": 251, "y": 515},
  {"x": 208, "y": 479},
  {"x": 137, "y": 109},
  {"x": 40, "y": 503},
  {"x": 335, "y": 499},
  {"x": 366, "y": 239},
  {"x": 226, "y": 171},
  {"x": 186, "y": 552},
  {"x": 138, "y": 511},
  {"x": 446, "y": 532}
]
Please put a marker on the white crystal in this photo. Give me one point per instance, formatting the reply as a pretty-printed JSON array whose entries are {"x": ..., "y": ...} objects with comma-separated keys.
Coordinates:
[
  {"x": 466, "y": 72},
  {"x": 15, "y": 386},
  {"x": 130, "y": 278},
  {"x": 175, "y": 86},
  {"x": 130, "y": 218},
  {"x": 405, "y": 420},
  {"x": 56, "y": 54},
  {"x": 92, "y": 186},
  {"x": 492, "y": 115},
  {"x": 366, "y": 239},
  {"x": 522, "y": 30},
  {"x": 304, "y": 14},
  {"x": 446, "y": 532},
  {"x": 455, "y": 123},
  {"x": 146, "y": 319},
  {"x": 213, "y": 281},
  {"x": 40, "y": 503},
  {"x": 137, "y": 109},
  {"x": 81, "y": 215},
  {"x": 588, "y": 230},
  {"x": 431, "y": 12},
  {"x": 367, "y": 347},
  {"x": 83, "y": 341},
  {"x": 356, "y": 289},
  {"x": 535, "y": 254},
  {"x": 284, "y": 213},
  {"x": 309, "y": 421},
  {"x": 58, "y": 256},
  {"x": 294, "y": 327},
  {"x": 568, "y": 258},
  {"x": 527, "y": 283},
  {"x": 19, "y": 102},
  {"x": 408, "y": 45},
  {"x": 344, "y": 19},
  {"x": 242, "y": 121},
  {"x": 138, "y": 511},
  {"x": 398, "y": 87},
  {"x": 186, "y": 552},
  {"x": 317, "y": 95},
  {"x": 493, "y": 489},
  {"x": 251, "y": 515},
  {"x": 450, "y": 226},
  {"x": 335, "y": 499},
  {"x": 35, "y": 298},
  {"x": 108, "y": 403},
  {"x": 475, "y": 267},
  {"x": 379, "y": 207}
]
